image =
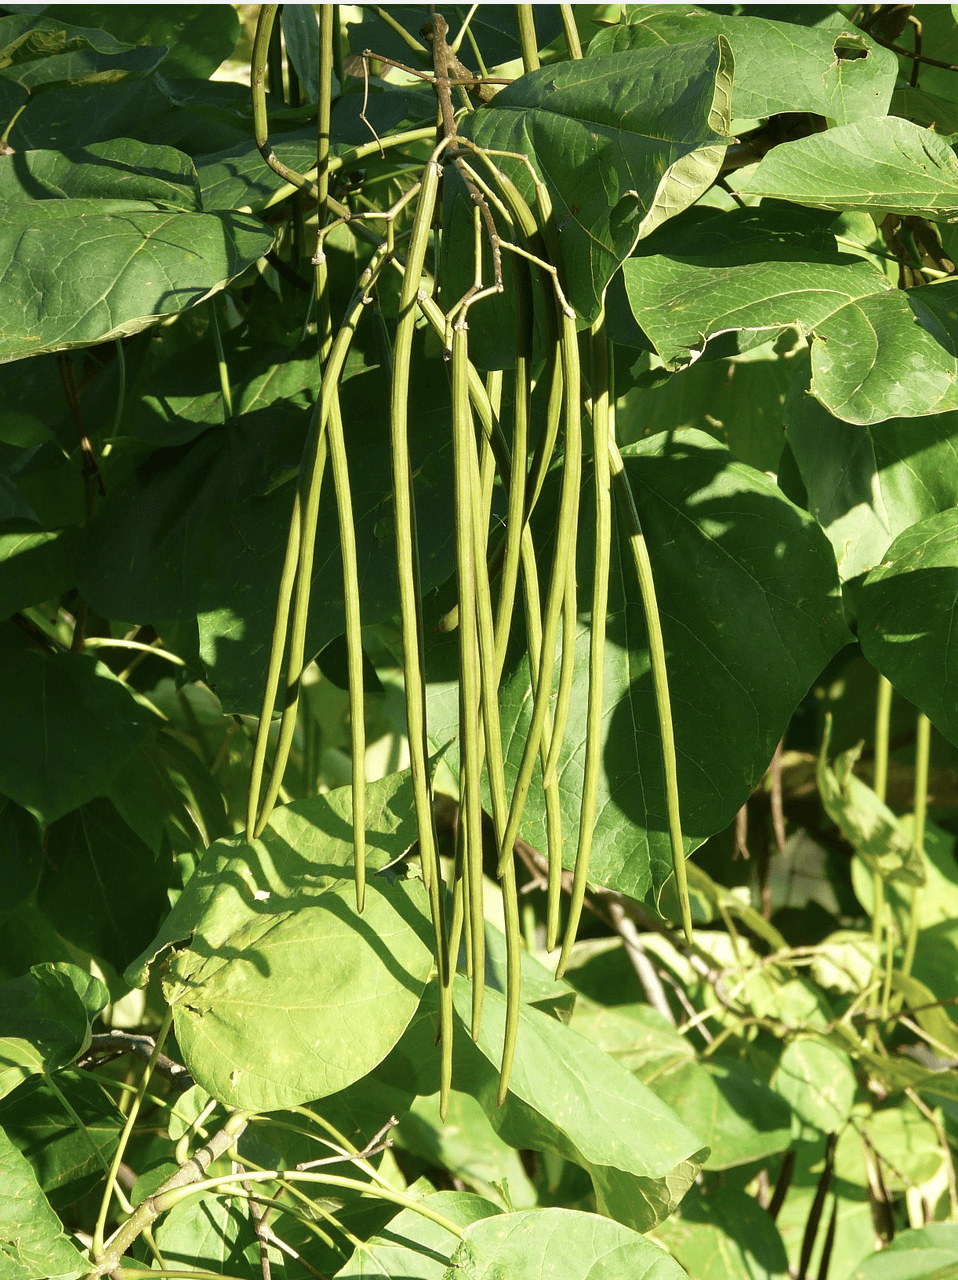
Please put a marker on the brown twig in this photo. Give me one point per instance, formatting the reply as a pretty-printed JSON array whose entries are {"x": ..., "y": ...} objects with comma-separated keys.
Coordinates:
[{"x": 115, "y": 1042}]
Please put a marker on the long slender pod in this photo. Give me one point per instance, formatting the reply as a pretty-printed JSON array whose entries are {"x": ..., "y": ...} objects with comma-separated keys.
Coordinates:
[
  {"x": 354, "y": 642},
  {"x": 531, "y": 601},
  {"x": 600, "y": 367},
  {"x": 516, "y": 515},
  {"x": 310, "y": 487},
  {"x": 407, "y": 561},
  {"x": 274, "y": 670},
  {"x": 291, "y": 559},
  {"x": 565, "y": 536},
  {"x": 497, "y": 785},
  {"x": 570, "y": 621},
  {"x": 470, "y": 676},
  {"x": 337, "y": 453},
  {"x": 660, "y": 680}
]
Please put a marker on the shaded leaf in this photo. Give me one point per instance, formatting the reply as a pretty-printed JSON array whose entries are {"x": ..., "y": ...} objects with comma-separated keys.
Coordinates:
[
  {"x": 738, "y": 1116},
  {"x": 906, "y": 617},
  {"x": 67, "y": 1161},
  {"x": 35, "y": 565},
  {"x": 238, "y": 598},
  {"x": 41, "y": 52},
  {"x": 622, "y": 143},
  {"x": 565, "y": 1097},
  {"x": 21, "y": 854},
  {"x": 723, "y": 1235},
  {"x": 876, "y": 352},
  {"x": 864, "y": 820},
  {"x": 118, "y": 170},
  {"x": 866, "y": 485},
  {"x": 33, "y": 1245},
  {"x": 45, "y": 1018},
  {"x": 102, "y": 887},
  {"x": 83, "y": 271},
  {"x": 196, "y": 40},
  {"x": 213, "y": 1233},
  {"x": 151, "y": 543},
  {"x": 466, "y": 1146},
  {"x": 238, "y": 176},
  {"x": 924, "y": 1253},
  {"x": 66, "y": 725},
  {"x": 905, "y": 1140}
]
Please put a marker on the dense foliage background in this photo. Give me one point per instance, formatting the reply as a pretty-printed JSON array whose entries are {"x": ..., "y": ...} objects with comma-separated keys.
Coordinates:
[{"x": 726, "y": 339}]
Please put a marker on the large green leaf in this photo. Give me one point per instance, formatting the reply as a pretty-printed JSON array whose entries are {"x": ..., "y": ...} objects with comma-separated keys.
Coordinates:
[
  {"x": 870, "y": 359},
  {"x": 35, "y": 565},
  {"x": 102, "y": 887},
  {"x": 212, "y": 1232},
  {"x": 149, "y": 548},
  {"x": 466, "y": 1146},
  {"x": 33, "y": 1245},
  {"x": 119, "y": 170},
  {"x": 45, "y": 1019},
  {"x": 622, "y": 143},
  {"x": 907, "y": 617},
  {"x": 82, "y": 271},
  {"x": 745, "y": 270},
  {"x": 837, "y": 72},
  {"x": 285, "y": 993},
  {"x": 566, "y": 1097},
  {"x": 818, "y": 1082},
  {"x": 557, "y": 1244},
  {"x": 878, "y": 166},
  {"x": 924, "y": 1253},
  {"x": 40, "y": 52},
  {"x": 67, "y": 1160},
  {"x": 66, "y": 726},
  {"x": 415, "y": 1247},
  {"x": 724, "y": 1235},
  {"x": 903, "y": 1138},
  {"x": 738, "y": 1115},
  {"x": 21, "y": 854},
  {"x": 238, "y": 177},
  {"x": 742, "y": 648},
  {"x": 197, "y": 39},
  {"x": 868, "y": 484}
]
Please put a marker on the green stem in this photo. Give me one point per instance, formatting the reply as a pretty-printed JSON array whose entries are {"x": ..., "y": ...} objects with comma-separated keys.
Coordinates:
[
  {"x": 882, "y": 726},
  {"x": 147, "y": 1212},
  {"x": 570, "y": 30},
  {"x": 222, "y": 368},
  {"x": 121, "y": 386},
  {"x": 527, "y": 37},
  {"x": 50, "y": 1081},
  {"x": 167, "y": 1200},
  {"x": 922, "y": 757},
  {"x": 97, "y": 1245}
]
